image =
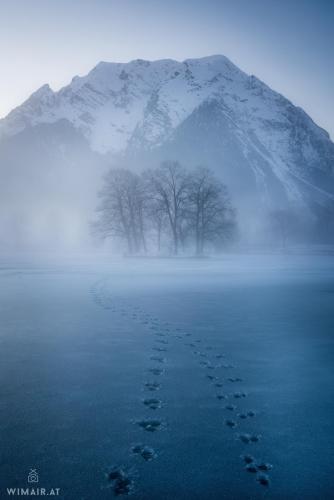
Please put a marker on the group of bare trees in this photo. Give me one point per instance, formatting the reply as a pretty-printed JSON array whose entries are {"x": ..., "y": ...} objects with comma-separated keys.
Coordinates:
[{"x": 167, "y": 208}]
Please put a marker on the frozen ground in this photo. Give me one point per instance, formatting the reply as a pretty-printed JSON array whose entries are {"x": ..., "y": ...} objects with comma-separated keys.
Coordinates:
[{"x": 156, "y": 377}]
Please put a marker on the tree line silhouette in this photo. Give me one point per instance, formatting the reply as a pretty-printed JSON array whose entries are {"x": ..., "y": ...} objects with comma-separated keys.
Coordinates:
[{"x": 165, "y": 209}]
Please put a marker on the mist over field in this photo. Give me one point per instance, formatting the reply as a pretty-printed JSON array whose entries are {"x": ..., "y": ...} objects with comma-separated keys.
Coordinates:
[{"x": 275, "y": 162}]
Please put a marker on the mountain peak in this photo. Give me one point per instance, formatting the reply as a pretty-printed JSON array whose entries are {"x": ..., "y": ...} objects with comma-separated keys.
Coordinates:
[
  {"x": 143, "y": 104},
  {"x": 41, "y": 95},
  {"x": 43, "y": 90},
  {"x": 213, "y": 59}
]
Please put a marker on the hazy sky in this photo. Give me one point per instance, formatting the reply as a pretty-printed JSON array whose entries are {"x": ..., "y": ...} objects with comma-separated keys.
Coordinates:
[{"x": 287, "y": 43}]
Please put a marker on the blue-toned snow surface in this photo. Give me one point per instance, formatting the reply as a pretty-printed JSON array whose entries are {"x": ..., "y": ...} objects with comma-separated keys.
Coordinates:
[{"x": 169, "y": 379}]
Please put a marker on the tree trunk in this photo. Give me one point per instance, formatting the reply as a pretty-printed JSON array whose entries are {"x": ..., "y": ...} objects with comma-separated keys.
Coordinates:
[
  {"x": 159, "y": 238},
  {"x": 176, "y": 242}
]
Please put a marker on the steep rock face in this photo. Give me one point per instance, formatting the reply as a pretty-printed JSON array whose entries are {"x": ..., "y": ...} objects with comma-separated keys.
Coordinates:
[{"x": 269, "y": 152}]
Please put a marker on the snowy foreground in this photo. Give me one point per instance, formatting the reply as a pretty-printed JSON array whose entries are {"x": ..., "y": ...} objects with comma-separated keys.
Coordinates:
[{"x": 169, "y": 379}]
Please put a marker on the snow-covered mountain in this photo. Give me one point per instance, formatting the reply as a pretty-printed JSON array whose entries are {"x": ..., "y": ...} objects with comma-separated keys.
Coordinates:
[{"x": 269, "y": 152}]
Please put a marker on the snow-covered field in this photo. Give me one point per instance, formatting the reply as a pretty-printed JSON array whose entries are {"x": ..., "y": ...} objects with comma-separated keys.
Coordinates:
[{"x": 158, "y": 377}]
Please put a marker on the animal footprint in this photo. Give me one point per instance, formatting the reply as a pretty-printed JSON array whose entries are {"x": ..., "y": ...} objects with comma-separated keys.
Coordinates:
[
  {"x": 242, "y": 415},
  {"x": 230, "y": 407},
  {"x": 245, "y": 438},
  {"x": 159, "y": 359},
  {"x": 230, "y": 423},
  {"x": 255, "y": 438},
  {"x": 239, "y": 395},
  {"x": 153, "y": 403},
  {"x": 247, "y": 414},
  {"x": 121, "y": 482},
  {"x": 263, "y": 479},
  {"x": 251, "y": 468},
  {"x": 150, "y": 425},
  {"x": 249, "y": 438},
  {"x": 144, "y": 451},
  {"x": 264, "y": 466},
  {"x": 152, "y": 386},
  {"x": 248, "y": 459},
  {"x": 156, "y": 371}
]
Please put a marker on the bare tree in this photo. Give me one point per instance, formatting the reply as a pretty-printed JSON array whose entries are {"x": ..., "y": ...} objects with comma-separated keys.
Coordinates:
[
  {"x": 121, "y": 209},
  {"x": 169, "y": 184},
  {"x": 211, "y": 215},
  {"x": 157, "y": 218},
  {"x": 165, "y": 201}
]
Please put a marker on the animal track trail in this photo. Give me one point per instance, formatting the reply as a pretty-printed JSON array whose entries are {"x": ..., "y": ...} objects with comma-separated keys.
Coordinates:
[
  {"x": 119, "y": 480},
  {"x": 162, "y": 333},
  {"x": 241, "y": 415}
]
